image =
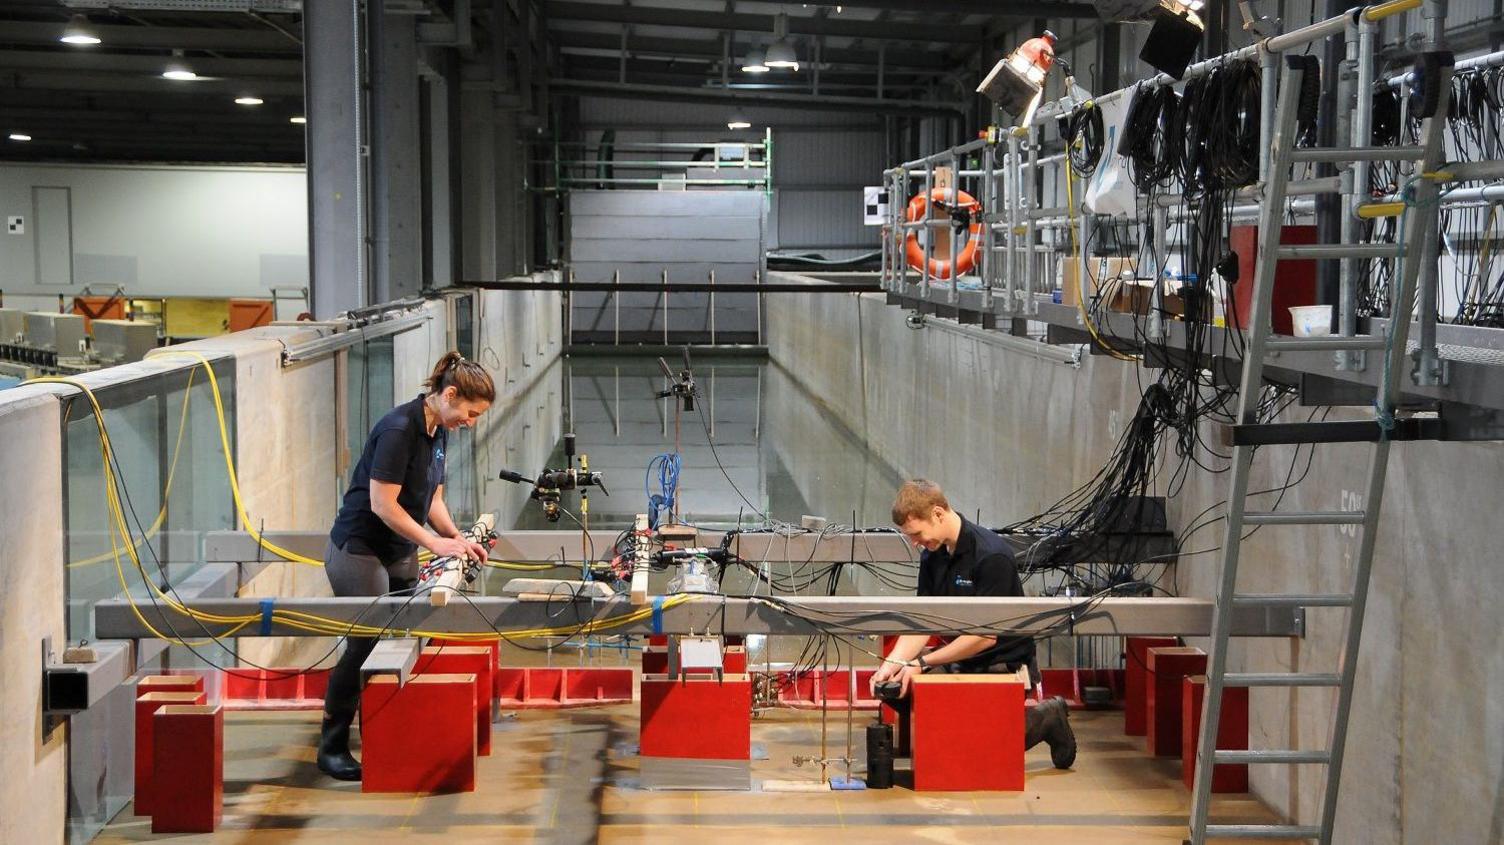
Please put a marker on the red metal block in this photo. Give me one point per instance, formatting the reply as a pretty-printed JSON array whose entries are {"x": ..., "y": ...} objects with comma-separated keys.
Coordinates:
[
  {"x": 274, "y": 689},
  {"x": 465, "y": 660},
  {"x": 169, "y": 683},
  {"x": 956, "y": 750},
  {"x": 697, "y": 717},
  {"x": 575, "y": 686},
  {"x": 494, "y": 646},
  {"x": 146, "y": 707},
  {"x": 1136, "y": 681},
  {"x": 1232, "y": 734},
  {"x": 188, "y": 768},
  {"x": 1167, "y": 666},
  {"x": 655, "y": 660},
  {"x": 817, "y": 689},
  {"x": 420, "y": 736}
]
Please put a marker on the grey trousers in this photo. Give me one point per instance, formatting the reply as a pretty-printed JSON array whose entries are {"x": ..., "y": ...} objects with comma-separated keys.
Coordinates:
[{"x": 359, "y": 575}]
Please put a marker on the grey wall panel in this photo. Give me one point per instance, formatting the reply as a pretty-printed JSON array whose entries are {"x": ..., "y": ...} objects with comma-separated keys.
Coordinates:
[
  {"x": 812, "y": 219},
  {"x": 708, "y": 227},
  {"x": 669, "y": 253},
  {"x": 665, "y": 203}
]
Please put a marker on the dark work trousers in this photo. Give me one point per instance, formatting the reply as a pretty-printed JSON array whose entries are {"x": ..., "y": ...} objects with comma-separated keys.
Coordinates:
[
  {"x": 1033, "y": 724},
  {"x": 360, "y": 575}
]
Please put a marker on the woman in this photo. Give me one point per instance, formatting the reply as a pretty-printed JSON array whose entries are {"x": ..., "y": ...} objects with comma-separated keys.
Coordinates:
[{"x": 397, "y": 487}]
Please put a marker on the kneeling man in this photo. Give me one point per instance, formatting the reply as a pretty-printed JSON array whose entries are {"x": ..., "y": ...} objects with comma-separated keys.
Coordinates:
[{"x": 959, "y": 558}]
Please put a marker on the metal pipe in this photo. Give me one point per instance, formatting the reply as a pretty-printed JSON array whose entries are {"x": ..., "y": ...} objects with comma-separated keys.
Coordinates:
[
  {"x": 1494, "y": 59},
  {"x": 1029, "y": 258},
  {"x": 1362, "y": 136},
  {"x": 955, "y": 235}
]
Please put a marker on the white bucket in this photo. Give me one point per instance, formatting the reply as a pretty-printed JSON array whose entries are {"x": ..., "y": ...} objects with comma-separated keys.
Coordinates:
[{"x": 1311, "y": 320}]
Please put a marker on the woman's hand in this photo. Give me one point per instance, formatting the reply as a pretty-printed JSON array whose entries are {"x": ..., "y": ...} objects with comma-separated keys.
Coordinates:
[{"x": 456, "y": 547}]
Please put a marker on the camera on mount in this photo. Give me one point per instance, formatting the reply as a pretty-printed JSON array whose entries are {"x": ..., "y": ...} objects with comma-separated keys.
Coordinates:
[
  {"x": 682, "y": 385},
  {"x": 551, "y": 483}
]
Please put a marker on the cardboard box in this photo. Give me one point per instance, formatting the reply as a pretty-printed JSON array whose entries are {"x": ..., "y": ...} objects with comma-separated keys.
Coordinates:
[{"x": 1097, "y": 269}]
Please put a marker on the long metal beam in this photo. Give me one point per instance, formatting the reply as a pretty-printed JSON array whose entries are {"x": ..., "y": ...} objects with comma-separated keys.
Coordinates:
[
  {"x": 870, "y": 615},
  {"x": 991, "y": 8},
  {"x": 741, "y": 22},
  {"x": 751, "y": 98},
  {"x": 895, "y": 60}
]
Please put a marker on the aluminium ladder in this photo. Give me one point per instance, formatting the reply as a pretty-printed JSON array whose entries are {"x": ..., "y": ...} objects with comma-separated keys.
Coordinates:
[{"x": 1419, "y": 225}]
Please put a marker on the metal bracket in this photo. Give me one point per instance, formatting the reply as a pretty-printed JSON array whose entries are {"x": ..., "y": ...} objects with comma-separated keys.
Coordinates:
[{"x": 1430, "y": 370}]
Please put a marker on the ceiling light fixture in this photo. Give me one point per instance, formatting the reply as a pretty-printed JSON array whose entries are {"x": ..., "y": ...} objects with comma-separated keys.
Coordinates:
[
  {"x": 738, "y": 121},
  {"x": 79, "y": 33},
  {"x": 178, "y": 69},
  {"x": 298, "y": 119},
  {"x": 18, "y": 136},
  {"x": 248, "y": 101},
  {"x": 755, "y": 62},
  {"x": 781, "y": 54}
]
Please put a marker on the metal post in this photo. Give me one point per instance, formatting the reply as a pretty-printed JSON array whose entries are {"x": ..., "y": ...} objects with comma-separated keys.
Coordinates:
[
  {"x": 665, "y": 306},
  {"x": 616, "y": 303},
  {"x": 1268, "y": 86},
  {"x": 989, "y": 206},
  {"x": 1030, "y": 256},
  {"x": 712, "y": 307},
  {"x": 929, "y": 236},
  {"x": 955, "y": 199},
  {"x": 757, "y": 275},
  {"x": 1013, "y": 187},
  {"x": 1362, "y": 136}
]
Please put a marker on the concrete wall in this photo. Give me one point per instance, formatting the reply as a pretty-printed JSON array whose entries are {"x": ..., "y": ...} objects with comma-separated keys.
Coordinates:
[
  {"x": 156, "y": 230},
  {"x": 1010, "y": 432},
  {"x": 32, "y": 802}
]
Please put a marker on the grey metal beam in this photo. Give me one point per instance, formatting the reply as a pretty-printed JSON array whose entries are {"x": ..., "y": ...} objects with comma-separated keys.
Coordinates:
[
  {"x": 991, "y": 8},
  {"x": 76, "y": 81},
  {"x": 896, "y": 60},
  {"x": 1187, "y": 617},
  {"x": 337, "y": 184},
  {"x": 683, "y": 18},
  {"x": 214, "y": 39},
  {"x": 641, "y": 69},
  {"x": 752, "y": 98},
  {"x": 74, "y": 61},
  {"x": 396, "y": 183}
]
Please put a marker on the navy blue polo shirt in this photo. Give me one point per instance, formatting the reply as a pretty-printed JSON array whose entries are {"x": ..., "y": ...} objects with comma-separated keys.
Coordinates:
[
  {"x": 399, "y": 451},
  {"x": 982, "y": 565}
]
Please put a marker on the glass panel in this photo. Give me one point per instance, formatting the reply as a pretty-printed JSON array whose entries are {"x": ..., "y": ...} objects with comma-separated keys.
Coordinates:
[
  {"x": 464, "y": 325},
  {"x": 159, "y": 428}
]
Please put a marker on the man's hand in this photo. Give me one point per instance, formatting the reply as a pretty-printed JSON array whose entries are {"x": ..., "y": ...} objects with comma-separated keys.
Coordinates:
[{"x": 892, "y": 670}]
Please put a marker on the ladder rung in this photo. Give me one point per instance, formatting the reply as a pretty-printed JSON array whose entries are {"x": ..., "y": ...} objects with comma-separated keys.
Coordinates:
[
  {"x": 1321, "y": 344},
  {"x": 1338, "y": 155},
  {"x": 1303, "y": 517},
  {"x": 1333, "y": 251},
  {"x": 1262, "y": 831},
  {"x": 1262, "y": 755},
  {"x": 1292, "y": 600},
  {"x": 1281, "y": 679}
]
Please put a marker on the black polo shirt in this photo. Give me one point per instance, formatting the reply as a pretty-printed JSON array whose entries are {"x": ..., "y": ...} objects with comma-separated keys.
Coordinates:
[
  {"x": 399, "y": 451},
  {"x": 982, "y": 565}
]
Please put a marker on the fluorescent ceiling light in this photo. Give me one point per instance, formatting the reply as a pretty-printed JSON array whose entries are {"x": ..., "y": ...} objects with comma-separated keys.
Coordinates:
[
  {"x": 755, "y": 63},
  {"x": 248, "y": 101},
  {"x": 18, "y": 136},
  {"x": 78, "y": 32},
  {"x": 738, "y": 121},
  {"x": 299, "y": 119},
  {"x": 782, "y": 55}
]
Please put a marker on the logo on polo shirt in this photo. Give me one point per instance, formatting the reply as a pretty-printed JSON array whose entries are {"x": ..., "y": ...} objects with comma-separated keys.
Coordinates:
[
  {"x": 438, "y": 453},
  {"x": 963, "y": 582}
]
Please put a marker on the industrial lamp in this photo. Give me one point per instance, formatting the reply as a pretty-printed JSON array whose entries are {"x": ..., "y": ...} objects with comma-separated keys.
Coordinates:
[
  {"x": 738, "y": 121},
  {"x": 178, "y": 69},
  {"x": 755, "y": 63},
  {"x": 1016, "y": 82},
  {"x": 79, "y": 33},
  {"x": 781, "y": 54},
  {"x": 1176, "y": 31}
]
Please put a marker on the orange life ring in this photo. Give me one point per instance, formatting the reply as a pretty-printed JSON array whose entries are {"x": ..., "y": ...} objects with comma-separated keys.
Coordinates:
[{"x": 966, "y": 257}]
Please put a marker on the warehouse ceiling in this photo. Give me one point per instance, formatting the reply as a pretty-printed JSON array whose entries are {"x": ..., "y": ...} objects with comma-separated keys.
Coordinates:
[{"x": 110, "y": 102}]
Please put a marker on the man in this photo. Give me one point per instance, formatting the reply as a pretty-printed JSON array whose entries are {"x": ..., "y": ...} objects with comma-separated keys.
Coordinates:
[{"x": 959, "y": 558}]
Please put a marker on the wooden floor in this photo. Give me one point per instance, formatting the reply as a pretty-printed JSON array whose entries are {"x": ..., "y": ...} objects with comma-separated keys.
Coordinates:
[{"x": 571, "y": 776}]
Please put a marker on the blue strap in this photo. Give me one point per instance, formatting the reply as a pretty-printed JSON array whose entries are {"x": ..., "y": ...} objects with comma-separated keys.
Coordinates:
[
  {"x": 658, "y": 614},
  {"x": 266, "y": 616}
]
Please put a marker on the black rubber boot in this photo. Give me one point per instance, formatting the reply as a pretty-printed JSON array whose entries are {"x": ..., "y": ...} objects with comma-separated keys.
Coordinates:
[
  {"x": 1051, "y": 722},
  {"x": 335, "y": 759}
]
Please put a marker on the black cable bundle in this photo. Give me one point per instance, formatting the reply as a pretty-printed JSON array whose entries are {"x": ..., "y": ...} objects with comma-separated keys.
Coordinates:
[
  {"x": 1230, "y": 109},
  {"x": 1145, "y": 128},
  {"x": 1084, "y": 136}
]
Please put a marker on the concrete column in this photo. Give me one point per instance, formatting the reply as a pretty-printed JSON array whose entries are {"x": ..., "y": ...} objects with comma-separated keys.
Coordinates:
[
  {"x": 337, "y": 256},
  {"x": 396, "y": 180},
  {"x": 438, "y": 179},
  {"x": 478, "y": 190}
]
